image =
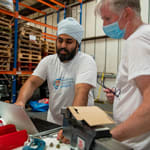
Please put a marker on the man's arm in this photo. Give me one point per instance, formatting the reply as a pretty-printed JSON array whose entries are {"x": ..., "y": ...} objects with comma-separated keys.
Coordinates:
[
  {"x": 81, "y": 94},
  {"x": 28, "y": 89},
  {"x": 139, "y": 122}
]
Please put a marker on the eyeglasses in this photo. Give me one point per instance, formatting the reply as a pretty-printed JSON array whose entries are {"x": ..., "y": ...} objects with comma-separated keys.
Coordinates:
[{"x": 114, "y": 90}]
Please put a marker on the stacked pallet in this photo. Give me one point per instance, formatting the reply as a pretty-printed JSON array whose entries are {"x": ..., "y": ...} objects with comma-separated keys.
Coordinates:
[
  {"x": 5, "y": 42},
  {"x": 48, "y": 48},
  {"x": 29, "y": 47},
  {"x": 21, "y": 79}
]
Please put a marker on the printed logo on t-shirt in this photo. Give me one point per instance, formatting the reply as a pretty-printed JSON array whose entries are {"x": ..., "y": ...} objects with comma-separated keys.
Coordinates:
[
  {"x": 56, "y": 83},
  {"x": 63, "y": 83}
]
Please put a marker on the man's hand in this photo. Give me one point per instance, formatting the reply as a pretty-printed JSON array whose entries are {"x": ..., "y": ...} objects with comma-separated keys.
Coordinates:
[
  {"x": 61, "y": 138},
  {"x": 110, "y": 95},
  {"x": 20, "y": 103}
]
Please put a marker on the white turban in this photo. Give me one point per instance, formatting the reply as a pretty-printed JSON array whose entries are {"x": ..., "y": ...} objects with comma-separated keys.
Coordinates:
[{"x": 70, "y": 27}]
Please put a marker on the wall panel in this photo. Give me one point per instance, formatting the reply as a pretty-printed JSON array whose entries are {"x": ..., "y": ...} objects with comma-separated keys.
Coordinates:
[
  {"x": 84, "y": 19},
  {"x": 61, "y": 15},
  {"x": 82, "y": 46},
  {"x": 90, "y": 19},
  {"x": 145, "y": 10},
  {"x": 111, "y": 56},
  {"x": 78, "y": 11},
  {"x": 89, "y": 48},
  {"x": 54, "y": 23},
  {"x": 100, "y": 55},
  {"x": 99, "y": 26},
  {"x": 149, "y": 12},
  {"x": 49, "y": 22},
  {"x": 42, "y": 27},
  {"x": 74, "y": 12}
]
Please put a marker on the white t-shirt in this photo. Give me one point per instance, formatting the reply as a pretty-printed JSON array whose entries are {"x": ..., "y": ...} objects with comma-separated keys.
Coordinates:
[
  {"x": 135, "y": 62},
  {"x": 62, "y": 78}
]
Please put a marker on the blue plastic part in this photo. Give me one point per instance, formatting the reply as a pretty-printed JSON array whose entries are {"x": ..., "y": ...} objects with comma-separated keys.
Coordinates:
[
  {"x": 37, "y": 143},
  {"x": 40, "y": 107}
]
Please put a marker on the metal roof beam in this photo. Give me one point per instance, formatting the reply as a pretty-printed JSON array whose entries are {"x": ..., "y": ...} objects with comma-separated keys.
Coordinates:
[
  {"x": 43, "y": 2},
  {"x": 58, "y": 3},
  {"x": 31, "y": 8}
]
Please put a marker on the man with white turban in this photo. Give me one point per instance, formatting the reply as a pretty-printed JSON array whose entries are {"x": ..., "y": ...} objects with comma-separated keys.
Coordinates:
[{"x": 70, "y": 74}]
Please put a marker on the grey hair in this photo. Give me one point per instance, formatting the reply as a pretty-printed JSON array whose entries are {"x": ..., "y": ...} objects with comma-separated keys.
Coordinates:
[{"x": 119, "y": 5}]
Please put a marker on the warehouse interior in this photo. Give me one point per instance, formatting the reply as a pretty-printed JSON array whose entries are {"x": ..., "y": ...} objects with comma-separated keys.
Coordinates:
[{"x": 28, "y": 33}]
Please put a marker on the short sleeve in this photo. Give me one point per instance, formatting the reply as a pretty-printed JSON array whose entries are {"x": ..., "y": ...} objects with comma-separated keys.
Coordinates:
[
  {"x": 41, "y": 69},
  {"x": 138, "y": 58},
  {"x": 87, "y": 72}
]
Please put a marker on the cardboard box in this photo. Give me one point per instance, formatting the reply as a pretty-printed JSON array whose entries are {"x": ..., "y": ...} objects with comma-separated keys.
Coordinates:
[{"x": 92, "y": 115}]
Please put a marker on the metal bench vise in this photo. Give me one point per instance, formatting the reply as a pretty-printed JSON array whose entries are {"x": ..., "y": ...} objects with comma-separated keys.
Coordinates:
[{"x": 84, "y": 137}]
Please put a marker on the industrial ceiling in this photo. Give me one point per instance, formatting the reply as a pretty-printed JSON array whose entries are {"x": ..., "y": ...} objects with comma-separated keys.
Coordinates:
[{"x": 38, "y": 5}]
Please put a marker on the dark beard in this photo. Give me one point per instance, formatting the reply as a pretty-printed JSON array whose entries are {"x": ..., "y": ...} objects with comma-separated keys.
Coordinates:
[{"x": 68, "y": 56}]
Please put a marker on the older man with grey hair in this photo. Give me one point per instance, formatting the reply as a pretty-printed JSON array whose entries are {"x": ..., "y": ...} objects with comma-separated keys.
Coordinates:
[
  {"x": 122, "y": 20},
  {"x": 70, "y": 74}
]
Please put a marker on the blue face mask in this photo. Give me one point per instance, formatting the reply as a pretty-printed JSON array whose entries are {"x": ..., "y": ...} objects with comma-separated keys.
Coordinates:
[{"x": 113, "y": 30}]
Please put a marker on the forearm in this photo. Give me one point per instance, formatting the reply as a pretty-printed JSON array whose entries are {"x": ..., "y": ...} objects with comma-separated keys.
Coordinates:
[
  {"x": 28, "y": 89},
  {"x": 137, "y": 124},
  {"x": 80, "y": 99},
  {"x": 25, "y": 93},
  {"x": 81, "y": 94}
]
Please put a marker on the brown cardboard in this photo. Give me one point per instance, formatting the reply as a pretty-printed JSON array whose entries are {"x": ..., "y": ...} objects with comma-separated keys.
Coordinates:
[{"x": 93, "y": 115}]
